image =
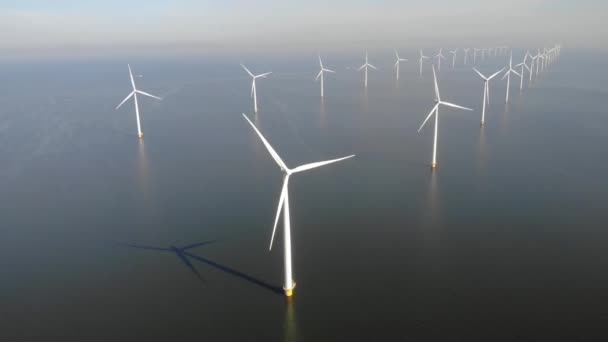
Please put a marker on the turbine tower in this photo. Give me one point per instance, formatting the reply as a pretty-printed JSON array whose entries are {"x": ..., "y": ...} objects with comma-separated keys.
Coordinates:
[
  {"x": 321, "y": 74},
  {"x": 288, "y": 284},
  {"x": 453, "y": 52},
  {"x": 486, "y": 91},
  {"x": 253, "y": 89},
  {"x": 365, "y": 66},
  {"x": 439, "y": 56},
  {"x": 397, "y": 62},
  {"x": 435, "y": 111},
  {"x": 134, "y": 94},
  {"x": 422, "y": 58}
]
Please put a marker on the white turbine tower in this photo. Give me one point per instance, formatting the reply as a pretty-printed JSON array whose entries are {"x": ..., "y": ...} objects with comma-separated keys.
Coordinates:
[
  {"x": 439, "y": 56},
  {"x": 508, "y": 76},
  {"x": 422, "y": 58},
  {"x": 453, "y": 52},
  {"x": 435, "y": 111},
  {"x": 321, "y": 74},
  {"x": 466, "y": 54},
  {"x": 366, "y": 65},
  {"x": 288, "y": 284},
  {"x": 134, "y": 94},
  {"x": 254, "y": 93},
  {"x": 486, "y": 91},
  {"x": 397, "y": 62},
  {"x": 523, "y": 65}
]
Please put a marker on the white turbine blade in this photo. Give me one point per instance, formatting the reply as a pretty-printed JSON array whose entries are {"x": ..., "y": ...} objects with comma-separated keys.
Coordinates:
[
  {"x": 276, "y": 219},
  {"x": 131, "y": 76},
  {"x": 495, "y": 74},
  {"x": 373, "y": 67},
  {"x": 333, "y": 72},
  {"x": 516, "y": 73},
  {"x": 319, "y": 75},
  {"x": 125, "y": 100},
  {"x": 506, "y": 74},
  {"x": 428, "y": 117},
  {"x": 252, "y": 87},
  {"x": 318, "y": 164},
  {"x": 263, "y": 75},
  {"x": 438, "y": 98},
  {"x": 271, "y": 150},
  {"x": 249, "y": 72},
  {"x": 320, "y": 63},
  {"x": 361, "y": 68},
  {"x": 480, "y": 74},
  {"x": 150, "y": 95},
  {"x": 455, "y": 106}
]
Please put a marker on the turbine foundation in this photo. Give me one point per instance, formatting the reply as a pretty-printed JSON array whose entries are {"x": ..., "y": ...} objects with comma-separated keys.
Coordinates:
[{"x": 289, "y": 292}]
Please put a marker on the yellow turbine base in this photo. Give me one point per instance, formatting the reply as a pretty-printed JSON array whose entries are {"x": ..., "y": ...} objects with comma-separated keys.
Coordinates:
[
  {"x": 289, "y": 292},
  {"x": 433, "y": 166},
  {"x": 140, "y": 135}
]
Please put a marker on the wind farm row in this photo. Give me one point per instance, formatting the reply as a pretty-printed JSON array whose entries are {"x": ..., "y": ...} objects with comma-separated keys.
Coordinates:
[{"x": 533, "y": 64}]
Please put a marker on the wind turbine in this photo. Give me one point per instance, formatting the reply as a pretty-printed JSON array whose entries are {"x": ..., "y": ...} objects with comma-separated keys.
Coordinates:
[
  {"x": 365, "y": 66},
  {"x": 321, "y": 74},
  {"x": 439, "y": 56},
  {"x": 422, "y": 58},
  {"x": 134, "y": 94},
  {"x": 466, "y": 54},
  {"x": 523, "y": 65},
  {"x": 508, "y": 76},
  {"x": 253, "y": 89},
  {"x": 454, "y": 57},
  {"x": 435, "y": 111},
  {"x": 486, "y": 91},
  {"x": 397, "y": 62},
  {"x": 288, "y": 284}
]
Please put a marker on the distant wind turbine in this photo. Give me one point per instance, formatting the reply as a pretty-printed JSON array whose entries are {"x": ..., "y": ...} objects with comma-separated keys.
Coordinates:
[
  {"x": 366, "y": 65},
  {"x": 253, "y": 89},
  {"x": 486, "y": 91},
  {"x": 134, "y": 94},
  {"x": 453, "y": 52},
  {"x": 397, "y": 62},
  {"x": 523, "y": 65},
  {"x": 321, "y": 74},
  {"x": 466, "y": 54},
  {"x": 288, "y": 284},
  {"x": 508, "y": 76},
  {"x": 439, "y": 56},
  {"x": 422, "y": 58},
  {"x": 435, "y": 111}
]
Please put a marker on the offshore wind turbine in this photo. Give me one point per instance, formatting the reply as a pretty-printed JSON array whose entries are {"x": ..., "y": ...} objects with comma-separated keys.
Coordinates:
[
  {"x": 508, "y": 76},
  {"x": 288, "y": 284},
  {"x": 254, "y": 93},
  {"x": 523, "y": 65},
  {"x": 439, "y": 56},
  {"x": 435, "y": 111},
  {"x": 321, "y": 74},
  {"x": 422, "y": 58},
  {"x": 466, "y": 54},
  {"x": 453, "y": 52},
  {"x": 134, "y": 95},
  {"x": 366, "y": 65},
  {"x": 486, "y": 91},
  {"x": 397, "y": 62}
]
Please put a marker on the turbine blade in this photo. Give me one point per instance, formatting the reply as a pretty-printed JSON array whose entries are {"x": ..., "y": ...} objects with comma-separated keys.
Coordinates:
[
  {"x": 319, "y": 75},
  {"x": 428, "y": 117},
  {"x": 495, "y": 74},
  {"x": 436, "y": 86},
  {"x": 125, "y": 100},
  {"x": 320, "y": 63},
  {"x": 271, "y": 150},
  {"x": 318, "y": 164},
  {"x": 249, "y": 72},
  {"x": 373, "y": 67},
  {"x": 198, "y": 244},
  {"x": 361, "y": 68},
  {"x": 150, "y": 95},
  {"x": 480, "y": 74},
  {"x": 263, "y": 75},
  {"x": 333, "y": 72},
  {"x": 276, "y": 218},
  {"x": 455, "y": 106}
]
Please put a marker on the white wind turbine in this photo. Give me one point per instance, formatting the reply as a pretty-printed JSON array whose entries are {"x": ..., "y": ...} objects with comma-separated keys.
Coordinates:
[
  {"x": 253, "y": 89},
  {"x": 134, "y": 94},
  {"x": 508, "y": 76},
  {"x": 523, "y": 65},
  {"x": 466, "y": 54},
  {"x": 321, "y": 74},
  {"x": 288, "y": 284},
  {"x": 422, "y": 58},
  {"x": 435, "y": 111},
  {"x": 486, "y": 91},
  {"x": 397, "y": 62},
  {"x": 453, "y": 52},
  {"x": 365, "y": 66},
  {"x": 439, "y": 56}
]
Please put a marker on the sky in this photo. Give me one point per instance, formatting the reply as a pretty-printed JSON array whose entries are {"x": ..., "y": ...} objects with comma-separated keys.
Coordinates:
[{"x": 64, "y": 25}]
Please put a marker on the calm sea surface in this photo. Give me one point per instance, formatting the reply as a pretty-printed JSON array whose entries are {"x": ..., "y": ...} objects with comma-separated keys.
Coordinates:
[{"x": 506, "y": 240}]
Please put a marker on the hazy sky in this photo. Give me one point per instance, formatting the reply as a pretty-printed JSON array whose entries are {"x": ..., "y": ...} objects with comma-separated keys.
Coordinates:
[{"x": 38, "y": 25}]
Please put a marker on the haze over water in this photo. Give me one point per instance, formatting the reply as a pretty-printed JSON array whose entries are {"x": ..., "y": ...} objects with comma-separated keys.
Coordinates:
[{"x": 506, "y": 240}]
